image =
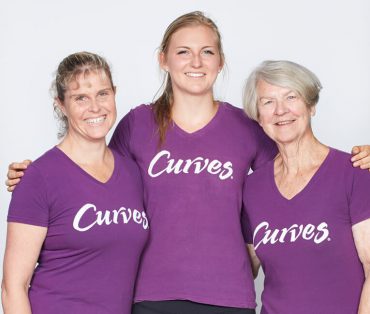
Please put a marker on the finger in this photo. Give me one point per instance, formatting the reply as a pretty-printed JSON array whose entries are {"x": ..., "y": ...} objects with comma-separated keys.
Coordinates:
[
  {"x": 12, "y": 174},
  {"x": 355, "y": 150},
  {"x": 365, "y": 166},
  {"x": 27, "y": 162},
  {"x": 11, "y": 188},
  {"x": 13, "y": 182},
  {"x": 355, "y": 159},
  {"x": 364, "y": 163},
  {"x": 17, "y": 166}
]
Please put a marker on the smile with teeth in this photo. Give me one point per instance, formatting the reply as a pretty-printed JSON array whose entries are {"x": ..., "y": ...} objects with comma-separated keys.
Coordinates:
[
  {"x": 195, "y": 74},
  {"x": 284, "y": 122},
  {"x": 96, "y": 120}
]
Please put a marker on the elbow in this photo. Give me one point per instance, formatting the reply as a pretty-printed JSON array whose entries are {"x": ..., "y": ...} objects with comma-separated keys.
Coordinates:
[
  {"x": 3, "y": 294},
  {"x": 11, "y": 293}
]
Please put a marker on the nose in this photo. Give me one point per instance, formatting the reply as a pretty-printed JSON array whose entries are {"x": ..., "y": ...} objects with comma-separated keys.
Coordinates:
[
  {"x": 196, "y": 61},
  {"x": 94, "y": 106},
  {"x": 281, "y": 108}
]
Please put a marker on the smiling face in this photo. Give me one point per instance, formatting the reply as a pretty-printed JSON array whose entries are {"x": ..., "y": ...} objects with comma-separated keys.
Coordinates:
[
  {"x": 89, "y": 105},
  {"x": 282, "y": 113},
  {"x": 192, "y": 60}
]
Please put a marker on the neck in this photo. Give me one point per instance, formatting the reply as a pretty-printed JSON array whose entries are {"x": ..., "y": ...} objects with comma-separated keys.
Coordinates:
[
  {"x": 299, "y": 156},
  {"x": 193, "y": 109},
  {"x": 83, "y": 151}
]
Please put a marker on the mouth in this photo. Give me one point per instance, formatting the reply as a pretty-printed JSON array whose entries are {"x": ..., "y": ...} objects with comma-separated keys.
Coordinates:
[
  {"x": 195, "y": 74},
  {"x": 97, "y": 120},
  {"x": 285, "y": 122}
]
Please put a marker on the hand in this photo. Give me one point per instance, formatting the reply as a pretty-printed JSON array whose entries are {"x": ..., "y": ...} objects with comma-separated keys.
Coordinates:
[
  {"x": 361, "y": 156},
  {"x": 15, "y": 173}
]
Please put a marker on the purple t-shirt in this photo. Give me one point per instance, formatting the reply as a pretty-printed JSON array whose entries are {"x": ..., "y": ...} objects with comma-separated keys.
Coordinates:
[
  {"x": 193, "y": 195},
  {"x": 96, "y": 233},
  {"x": 306, "y": 244}
]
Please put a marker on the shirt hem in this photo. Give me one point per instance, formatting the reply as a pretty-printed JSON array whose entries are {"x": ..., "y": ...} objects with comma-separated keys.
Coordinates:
[
  {"x": 220, "y": 302},
  {"x": 27, "y": 221}
]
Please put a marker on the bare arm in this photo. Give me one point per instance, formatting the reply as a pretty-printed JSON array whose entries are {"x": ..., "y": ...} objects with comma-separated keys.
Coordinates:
[
  {"x": 23, "y": 247},
  {"x": 15, "y": 173},
  {"x": 361, "y": 235},
  {"x": 361, "y": 156},
  {"x": 255, "y": 262}
]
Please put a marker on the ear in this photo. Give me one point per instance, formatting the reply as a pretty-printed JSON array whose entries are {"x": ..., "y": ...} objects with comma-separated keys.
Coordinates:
[
  {"x": 162, "y": 61},
  {"x": 313, "y": 110},
  {"x": 222, "y": 63},
  {"x": 60, "y": 105}
]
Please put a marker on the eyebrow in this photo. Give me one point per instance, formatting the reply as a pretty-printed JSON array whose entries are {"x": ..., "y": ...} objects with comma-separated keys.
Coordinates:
[
  {"x": 99, "y": 91},
  {"x": 287, "y": 93},
  {"x": 186, "y": 47}
]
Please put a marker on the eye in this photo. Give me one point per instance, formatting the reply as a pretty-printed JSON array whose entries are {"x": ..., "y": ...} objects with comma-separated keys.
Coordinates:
[
  {"x": 292, "y": 97},
  {"x": 208, "y": 52},
  {"x": 103, "y": 93},
  {"x": 266, "y": 102},
  {"x": 182, "y": 52},
  {"x": 80, "y": 98}
]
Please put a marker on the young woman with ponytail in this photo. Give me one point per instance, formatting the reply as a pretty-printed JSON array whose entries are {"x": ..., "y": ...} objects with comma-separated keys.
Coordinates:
[{"x": 193, "y": 152}]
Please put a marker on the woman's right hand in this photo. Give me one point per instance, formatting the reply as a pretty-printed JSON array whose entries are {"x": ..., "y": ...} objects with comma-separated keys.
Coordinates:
[{"x": 15, "y": 173}]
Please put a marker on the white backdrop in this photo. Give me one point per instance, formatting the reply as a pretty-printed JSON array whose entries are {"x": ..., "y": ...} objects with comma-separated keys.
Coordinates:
[{"x": 332, "y": 38}]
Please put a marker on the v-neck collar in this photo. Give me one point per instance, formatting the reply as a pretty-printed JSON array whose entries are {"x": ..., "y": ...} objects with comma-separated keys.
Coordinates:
[
  {"x": 203, "y": 129},
  {"x": 307, "y": 187},
  {"x": 84, "y": 172}
]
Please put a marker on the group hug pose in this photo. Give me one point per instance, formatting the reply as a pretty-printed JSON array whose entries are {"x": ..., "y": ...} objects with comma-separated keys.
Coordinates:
[{"x": 165, "y": 219}]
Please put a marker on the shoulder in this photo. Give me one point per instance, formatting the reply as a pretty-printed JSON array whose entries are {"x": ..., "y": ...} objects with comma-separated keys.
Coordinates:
[
  {"x": 137, "y": 114},
  {"x": 45, "y": 162},
  {"x": 237, "y": 115},
  {"x": 142, "y": 111},
  {"x": 36, "y": 176},
  {"x": 340, "y": 161},
  {"x": 235, "y": 112}
]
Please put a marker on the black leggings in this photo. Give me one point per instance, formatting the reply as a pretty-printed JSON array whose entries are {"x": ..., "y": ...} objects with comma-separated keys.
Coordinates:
[{"x": 185, "y": 307}]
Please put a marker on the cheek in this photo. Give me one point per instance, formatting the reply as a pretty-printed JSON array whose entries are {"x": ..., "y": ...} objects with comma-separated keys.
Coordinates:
[
  {"x": 264, "y": 116},
  {"x": 176, "y": 63},
  {"x": 73, "y": 113}
]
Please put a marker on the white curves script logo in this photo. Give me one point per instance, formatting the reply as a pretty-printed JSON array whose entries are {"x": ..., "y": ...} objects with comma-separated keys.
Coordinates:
[
  {"x": 196, "y": 166},
  {"x": 308, "y": 232},
  {"x": 106, "y": 217}
]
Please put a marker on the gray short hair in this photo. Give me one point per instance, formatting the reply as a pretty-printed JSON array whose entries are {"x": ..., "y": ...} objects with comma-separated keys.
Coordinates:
[{"x": 285, "y": 74}]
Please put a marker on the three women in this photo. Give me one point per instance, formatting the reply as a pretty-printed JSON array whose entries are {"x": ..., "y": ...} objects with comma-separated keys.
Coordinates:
[{"x": 193, "y": 153}]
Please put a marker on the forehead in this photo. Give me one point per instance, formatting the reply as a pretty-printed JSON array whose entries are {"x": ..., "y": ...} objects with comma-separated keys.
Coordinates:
[
  {"x": 196, "y": 34},
  {"x": 89, "y": 79},
  {"x": 265, "y": 89}
]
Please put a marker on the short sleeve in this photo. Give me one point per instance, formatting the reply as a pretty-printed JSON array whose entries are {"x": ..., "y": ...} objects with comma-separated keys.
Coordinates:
[
  {"x": 120, "y": 140},
  {"x": 266, "y": 148},
  {"x": 359, "y": 204},
  {"x": 29, "y": 203}
]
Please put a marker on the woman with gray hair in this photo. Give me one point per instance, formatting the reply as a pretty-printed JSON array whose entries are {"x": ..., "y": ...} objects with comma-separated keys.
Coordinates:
[{"x": 308, "y": 209}]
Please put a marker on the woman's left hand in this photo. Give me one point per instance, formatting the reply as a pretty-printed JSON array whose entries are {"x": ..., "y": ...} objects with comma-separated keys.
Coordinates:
[{"x": 361, "y": 156}]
